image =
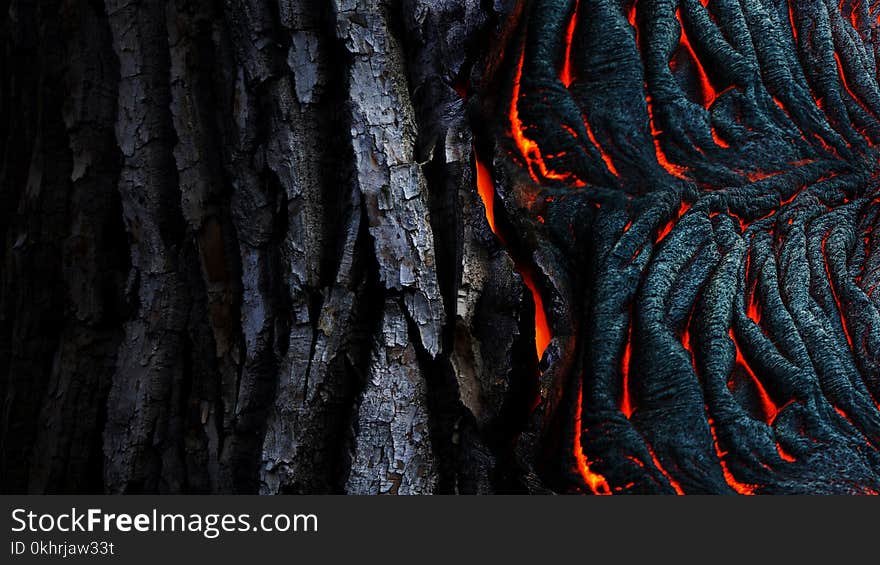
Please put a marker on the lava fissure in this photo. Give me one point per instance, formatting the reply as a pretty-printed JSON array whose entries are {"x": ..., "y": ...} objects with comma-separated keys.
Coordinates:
[{"x": 682, "y": 166}]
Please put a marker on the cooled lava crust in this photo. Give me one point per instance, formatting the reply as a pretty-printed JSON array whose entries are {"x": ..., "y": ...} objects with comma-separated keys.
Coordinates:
[{"x": 691, "y": 191}]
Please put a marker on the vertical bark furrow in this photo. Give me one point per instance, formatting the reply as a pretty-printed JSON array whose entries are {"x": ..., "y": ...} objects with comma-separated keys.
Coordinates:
[
  {"x": 150, "y": 364},
  {"x": 391, "y": 181},
  {"x": 38, "y": 163},
  {"x": 392, "y": 451},
  {"x": 94, "y": 260},
  {"x": 303, "y": 448}
]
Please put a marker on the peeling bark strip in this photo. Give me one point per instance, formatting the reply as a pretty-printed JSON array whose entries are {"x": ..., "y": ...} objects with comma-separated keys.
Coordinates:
[
  {"x": 139, "y": 454},
  {"x": 299, "y": 246},
  {"x": 393, "y": 185},
  {"x": 392, "y": 447}
]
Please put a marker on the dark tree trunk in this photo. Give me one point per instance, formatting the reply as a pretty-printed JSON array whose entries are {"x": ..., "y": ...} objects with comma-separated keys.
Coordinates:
[
  {"x": 221, "y": 228},
  {"x": 246, "y": 248}
]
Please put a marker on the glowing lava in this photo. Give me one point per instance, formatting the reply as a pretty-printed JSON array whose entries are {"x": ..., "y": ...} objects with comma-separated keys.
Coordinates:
[
  {"x": 674, "y": 170},
  {"x": 565, "y": 76},
  {"x": 605, "y": 157},
  {"x": 595, "y": 481},
  {"x": 529, "y": 149},
  {"x": 769, "y": 407},
  {"x": 739, "y": 487},
  {"x": 785, "y": 456},
  {"x": 668, "y": 227},
  {"x": 686, "y": 342},
  {"x": 625, "y": 402},
  {"x": 708, "y": 91},
  {"x": 487, "y": 192},
  {"x": 834, "y": 294},
  {"x": 542, "y": 329},
  {"x": 845, "y": 84},
  {"x": 672, "y": 482}
]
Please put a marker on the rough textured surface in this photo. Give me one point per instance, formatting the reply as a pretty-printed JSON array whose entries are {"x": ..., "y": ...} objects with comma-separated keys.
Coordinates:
[
  {"x": 694, "y": 187},
  {"x": 439, "y": 246},
  {"x": 211, "y": 213},
  {"x": 392, "y": 452},
  {"x": 391, "y": 182}
]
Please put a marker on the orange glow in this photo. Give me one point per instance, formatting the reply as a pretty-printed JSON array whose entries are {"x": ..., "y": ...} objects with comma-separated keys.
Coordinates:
[
  {"x": 486, "y": 190},
  {"x": 769, "y": 407},
  {"x": 854, "y": 17},
  {"x": 708, "y": 91},
  {"x": 844, "y": 415},
  {"x": 739, "y": 487},
  {"x": 718, "y": 141},
  {"x": 636, "y": 460},
  {"x": 742, "y": 223},
  {"x": 686, "y": 342},
  {"x": 631, "y": 16},
  {"x": 782, "y": 107},
  {"x": 565, "y": 75},
  {"x": 487, "y": 194},
  {"x": 752, "y": 311},
  {"x": 596, "y": 482},
  {"x": 625, "y": 402},
  {"x": 605, "y": 156},
  {"x": 834, "y": 293},
  {"x": 755, "y": 176},
  {"x": 794, "y": 30},
  {"x": 665, "y": 231},
  {"x": 542, "y": 329},
  {"x": 783, "y": 454},
  {"x": 673, "y": 170},
  {"x": 752, "y": 307},
  {"x": 529, "y": 149},
  {"x": 672, "y": 482},
  {"x": 790, "y": 198},
  {"x": 668, "y": 227},
  {"x": 824, "y": 144},
  {"x": 748, "y": 264},
  {"x": 846, "y": 85}
]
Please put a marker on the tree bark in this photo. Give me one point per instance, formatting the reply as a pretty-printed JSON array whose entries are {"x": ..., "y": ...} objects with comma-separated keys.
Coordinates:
[{"x": 233, "y": 249}]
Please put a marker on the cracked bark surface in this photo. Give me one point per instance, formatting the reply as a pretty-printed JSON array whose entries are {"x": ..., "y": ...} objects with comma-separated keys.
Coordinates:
[
  {"x": 248, "y": 246},
  {"x": 219, "y": 222}
]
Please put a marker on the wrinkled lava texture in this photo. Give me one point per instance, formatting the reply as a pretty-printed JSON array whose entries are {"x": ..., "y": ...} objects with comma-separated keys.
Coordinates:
[{"x": 692, "y": 191}]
